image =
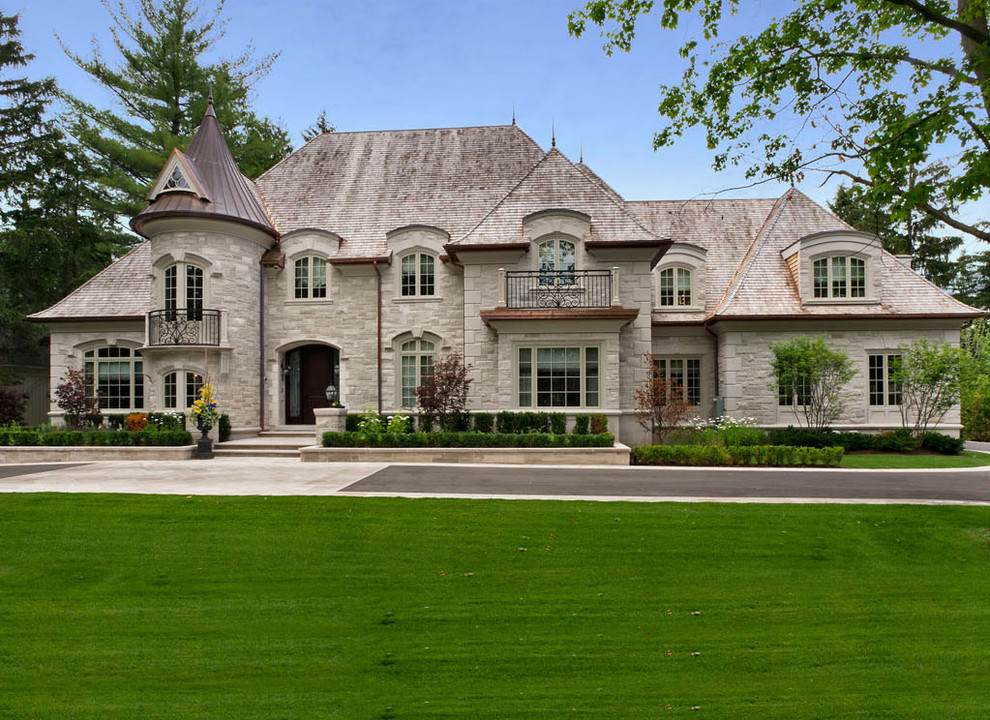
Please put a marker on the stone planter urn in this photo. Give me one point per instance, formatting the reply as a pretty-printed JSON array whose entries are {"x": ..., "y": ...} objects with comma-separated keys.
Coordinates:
[{"x": 204, "y": 444}]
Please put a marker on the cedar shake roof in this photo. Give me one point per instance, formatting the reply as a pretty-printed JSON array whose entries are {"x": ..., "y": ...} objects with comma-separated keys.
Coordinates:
[
  {"x": 231, "y": 196},
  {"x": 120, "y": 292},
  {"x": 747, "y": 277},
  {"x": 361, "y": 185},
  {"x": 556, "y": 183}
]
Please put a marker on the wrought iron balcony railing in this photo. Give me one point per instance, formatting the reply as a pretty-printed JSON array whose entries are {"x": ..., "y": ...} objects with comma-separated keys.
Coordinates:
[
  {"x": 543, "y": 289},
  {"x": 184, "y": 326}
]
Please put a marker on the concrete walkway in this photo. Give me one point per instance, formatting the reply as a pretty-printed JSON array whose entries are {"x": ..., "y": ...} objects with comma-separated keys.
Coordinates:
[{"x": 276, "y": 476}]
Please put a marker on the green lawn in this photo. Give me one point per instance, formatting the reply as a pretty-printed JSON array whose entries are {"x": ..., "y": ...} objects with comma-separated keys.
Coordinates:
[
  {"x": 966, "y": 459},
  {"x": 165, "y": 607}
]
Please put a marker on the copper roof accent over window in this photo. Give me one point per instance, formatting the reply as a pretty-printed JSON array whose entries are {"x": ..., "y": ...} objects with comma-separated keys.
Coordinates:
[{"x": 231, "y": 195}]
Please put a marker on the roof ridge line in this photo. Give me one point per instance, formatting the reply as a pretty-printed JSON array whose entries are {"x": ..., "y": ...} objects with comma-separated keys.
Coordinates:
[{"x": 743, "y": 270}]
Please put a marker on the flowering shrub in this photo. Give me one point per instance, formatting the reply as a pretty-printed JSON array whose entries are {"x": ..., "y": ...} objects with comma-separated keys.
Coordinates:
[
  {"x": 204, "y": 409},
  {"x": 136, "y": 422}
]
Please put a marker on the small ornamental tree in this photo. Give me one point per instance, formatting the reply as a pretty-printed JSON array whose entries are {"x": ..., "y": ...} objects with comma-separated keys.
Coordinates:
[
  {"x": 928, "y": 374},
  {"x": 12, "y": 405},
  {"x": 442, "y": 395},
  {"x": 81, "y": 409},
  {"x": 810, "y": 373},
  {"x": 660, "y": 403}
]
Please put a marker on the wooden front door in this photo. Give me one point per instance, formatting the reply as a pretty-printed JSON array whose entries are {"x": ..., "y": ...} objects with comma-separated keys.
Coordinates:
[{"x": 309, "y": 369}]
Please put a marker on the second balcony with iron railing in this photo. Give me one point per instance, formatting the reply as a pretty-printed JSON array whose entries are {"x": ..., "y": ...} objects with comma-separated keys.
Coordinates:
[
  {"x": 558, "y": 289},
  {"x": 185, "y": 326}
]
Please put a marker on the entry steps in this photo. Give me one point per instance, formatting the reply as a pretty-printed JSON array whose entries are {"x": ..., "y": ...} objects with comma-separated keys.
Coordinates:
[{"x": 270, "y": 443}]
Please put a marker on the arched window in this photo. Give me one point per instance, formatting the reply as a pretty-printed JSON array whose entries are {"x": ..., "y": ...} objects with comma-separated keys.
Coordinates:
[
  {"x": 675, "y": 287},
  {"x": 117, "y": 374},
  {"x": 840, "y": 276},
  {"x": 310, "y": 278},
  {"x": 184, "y": 281},
  {"x": 556, "y": 258},
  {"x": 418, "y": 275},
  {"x": 417, "y": 363},
  {"x": 185, "y": 385}
]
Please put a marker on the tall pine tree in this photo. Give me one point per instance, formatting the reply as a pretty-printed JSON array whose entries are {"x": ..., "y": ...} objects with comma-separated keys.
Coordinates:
[{"x": 161, "y": 83}]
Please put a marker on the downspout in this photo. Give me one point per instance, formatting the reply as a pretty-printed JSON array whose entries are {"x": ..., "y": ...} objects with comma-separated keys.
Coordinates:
[
  {"x": 378, "y": 274},
  {"x": 261, "y": 346},
  {"x": 719, "y": 400}
]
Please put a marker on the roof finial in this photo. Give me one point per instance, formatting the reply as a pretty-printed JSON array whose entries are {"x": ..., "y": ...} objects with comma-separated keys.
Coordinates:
[
  {"x": 581, "y": 158},
  {"x": 210, "y": 100},
  {"x": 513, "y": 113},
  {"x": 209, "y": 103},
  {"x": 553, "y": 134}
]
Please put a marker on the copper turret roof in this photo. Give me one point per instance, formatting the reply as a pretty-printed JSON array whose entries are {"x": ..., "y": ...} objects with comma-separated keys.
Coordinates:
[{"x": 228, "y": 194}]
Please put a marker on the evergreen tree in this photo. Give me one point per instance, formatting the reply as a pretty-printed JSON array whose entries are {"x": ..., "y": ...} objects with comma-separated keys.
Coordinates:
[
  {"x": 321, "y": 126},
  {"x": 161, "y": 84},
  {"x": 914, "y": 235},
  {"x": 972, "y": 285}
]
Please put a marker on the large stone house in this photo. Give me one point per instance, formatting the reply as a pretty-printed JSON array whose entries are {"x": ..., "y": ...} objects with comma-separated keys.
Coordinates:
[{"x": 363, "y": 256}]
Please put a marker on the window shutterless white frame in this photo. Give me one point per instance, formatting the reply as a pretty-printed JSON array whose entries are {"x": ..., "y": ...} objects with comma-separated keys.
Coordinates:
[
  {"x": 415, "y": 363},
  {"x": 838, "y": 277},
  {"x": 117, "y": 373},
  {"x": 558, "y": 377},
  {"x": 686, "y": 372},
  {"x": 418, "y": 275},
  {"x": 555, "y": 257},
  {"x": 189, "y": 381},
  {"x": 675, "y": 287},
  {"x": 309, "y": 274},
  {"x": 186, "y": 281}
]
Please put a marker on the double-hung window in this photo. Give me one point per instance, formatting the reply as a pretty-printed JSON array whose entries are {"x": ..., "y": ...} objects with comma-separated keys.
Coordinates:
[
  {"x": 117, "y": 374},
  {"x": 310, "y": 278},
  {"x": 884, "y": 389},
  {"x": 558, "y": 376},
  {"x": 418, "y": 275},
  {"x": 839, "y": 276}
]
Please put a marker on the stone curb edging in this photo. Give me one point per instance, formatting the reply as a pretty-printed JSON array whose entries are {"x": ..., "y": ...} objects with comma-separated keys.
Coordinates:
[
  {"x": 618, "y": 454},
  {"x": 92, "y": 453}
]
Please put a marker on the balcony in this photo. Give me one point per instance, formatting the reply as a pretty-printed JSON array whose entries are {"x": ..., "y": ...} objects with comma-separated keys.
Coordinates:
[
  {"x": 184, "y": 326},
  {"x": 556, "y": 290}
]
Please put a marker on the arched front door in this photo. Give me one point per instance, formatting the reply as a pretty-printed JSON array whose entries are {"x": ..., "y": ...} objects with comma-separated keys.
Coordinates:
[{"x": 308, "y": 371}]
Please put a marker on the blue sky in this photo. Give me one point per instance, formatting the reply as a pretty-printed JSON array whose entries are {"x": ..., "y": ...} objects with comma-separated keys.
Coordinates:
[{"x": 430, "y": 63}]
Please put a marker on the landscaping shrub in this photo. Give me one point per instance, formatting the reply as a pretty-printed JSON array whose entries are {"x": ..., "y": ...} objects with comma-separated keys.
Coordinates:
[
  {"x": 223, "y": 427},
  {"x": 484, "y": 422},
  {"x": 166, "y": 421},
  {"x": 975, "y": 403},
  {"x": 443, "y": 439},
  {"x": 558, "y": 423},
  {"x": 896, "y": 441},
  {"x": 12, "y": 406},
  {"x": 939, "y": 443},
  {"x": 61, "y": 437},
  {"x": 115, "y": 422},
  {"x": 462, "y": 422},
  {"x": 505, "y": 422},
  {"x": 769, "y": 455},
  {"x": 351, "y": 421},
  {"x": 599, "y": 424},
  {"x": 399, "y": 424},
  {"x": 71, "y": 395},
  {"x": 581, "y": 424},
  {"x": 740, "y": 435},
  {"x": 136, "y": 421},
  {"x": 424, "y": 423}
]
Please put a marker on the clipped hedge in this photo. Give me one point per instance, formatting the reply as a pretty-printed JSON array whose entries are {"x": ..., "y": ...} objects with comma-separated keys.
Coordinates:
[
  {"x": 466, "y": 440},
  {"x": 894, "y": 441},
  {"x": 148, "y": 437},
  {"x": 765, "y": 455}
]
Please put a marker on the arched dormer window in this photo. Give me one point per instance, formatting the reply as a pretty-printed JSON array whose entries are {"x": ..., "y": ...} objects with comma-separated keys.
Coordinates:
[
  {"x": 675, "y": 287},
  {"x": 839, "y": 276},
  {"x": 416, "y": 358},
  {"x": 418, "y": 275},
  {"x": 184, "y": 287},
  {"x": 556, "y": 259},
  {"x": 310, "y": 278}
]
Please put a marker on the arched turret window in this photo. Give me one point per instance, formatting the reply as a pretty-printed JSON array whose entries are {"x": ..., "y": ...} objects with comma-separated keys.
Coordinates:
[{"x": 184, "y": 282}]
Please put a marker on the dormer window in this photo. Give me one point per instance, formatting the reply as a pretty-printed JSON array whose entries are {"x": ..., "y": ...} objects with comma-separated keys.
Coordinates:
[
  {"x": 556, "y": 258},
  {"x": 840, "y": 276},
  {"x": 310, "y": 278},
  {"x": 675, "y": 287},
  {"x": 418, "y": 275},
  {"x": 176, "y": 181}
]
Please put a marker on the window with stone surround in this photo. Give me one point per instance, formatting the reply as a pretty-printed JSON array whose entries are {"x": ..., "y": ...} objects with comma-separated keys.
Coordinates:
[
  {"x": 675, "y": 287},
  {"x": 185, "y": 384},
  {"x": 184, "y": 281},
  {"x": 416, "y": 362},
  {"x": 686, "y": 372},
  {"x": 884, "y": 390},
  {"x": 556, "y": 260},
  {"x": 310, "y": 278},
  {"x": 550, "y": 377},
  {"x": 117, "y": 374},
  {"x": 418, "y": 278}
]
